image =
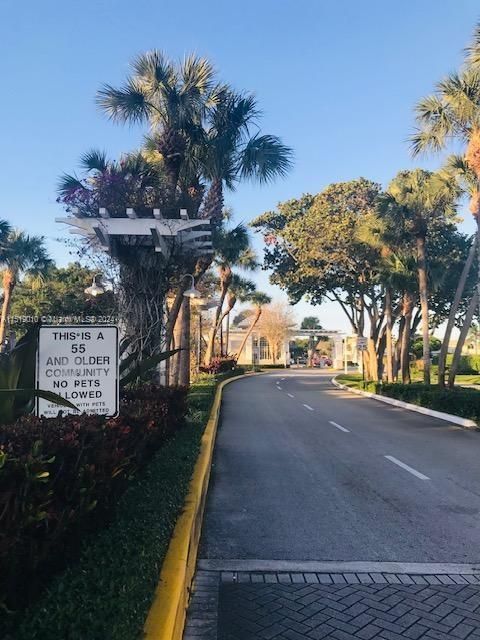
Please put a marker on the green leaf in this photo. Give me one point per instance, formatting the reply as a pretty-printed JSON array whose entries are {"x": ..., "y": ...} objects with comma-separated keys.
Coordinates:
[{"x": 39, "y": 393}]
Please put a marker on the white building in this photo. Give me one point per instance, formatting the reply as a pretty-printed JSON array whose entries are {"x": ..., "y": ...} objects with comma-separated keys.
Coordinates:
[{"x": 257, "y": 349}]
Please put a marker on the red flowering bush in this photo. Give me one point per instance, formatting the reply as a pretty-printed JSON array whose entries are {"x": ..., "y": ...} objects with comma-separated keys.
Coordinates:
[
  {"x": 59, "y": 477},
  {"x": 220, "y": 365}
]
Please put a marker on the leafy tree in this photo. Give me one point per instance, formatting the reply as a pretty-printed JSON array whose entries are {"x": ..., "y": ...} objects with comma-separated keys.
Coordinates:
[
  {"x": 22, "y": 255},
  {"x": 313, "y": 251},
  {"x": 417, "y": 345},
  {"x": 311, "y": 322},
  {"x": 276, "y": 324},
  {"x": 61, "y": 293}
]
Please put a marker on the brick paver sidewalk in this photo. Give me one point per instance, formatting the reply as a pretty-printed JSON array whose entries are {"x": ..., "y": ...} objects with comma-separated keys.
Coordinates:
[{"x": 296, "y": 606}]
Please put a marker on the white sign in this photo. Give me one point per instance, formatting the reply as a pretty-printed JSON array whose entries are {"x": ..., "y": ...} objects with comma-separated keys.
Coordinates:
[
  {"x": 79, "y": 363},
  {"x": 361, "y": 344}
]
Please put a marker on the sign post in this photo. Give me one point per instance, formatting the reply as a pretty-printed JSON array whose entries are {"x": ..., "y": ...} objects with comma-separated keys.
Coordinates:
[
  {"x": 79, "y": 363},
  {"x": 362, "y": 345}
]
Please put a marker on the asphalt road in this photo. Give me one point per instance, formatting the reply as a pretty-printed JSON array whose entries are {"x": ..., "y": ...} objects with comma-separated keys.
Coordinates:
[{"x": 301, "y": 473}]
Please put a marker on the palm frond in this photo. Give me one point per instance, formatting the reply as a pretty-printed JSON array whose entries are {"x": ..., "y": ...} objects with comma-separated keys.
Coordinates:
[
  {"x": 259, "y": 299},
  {"x": 67, "y": 184},
  {"x": 128, "y": 104},
  {"x": 264, "y": 158},
  {"x": 197, "y": 75},
  {"x": 425, "y": 140},
  {"x": 473, "y": 50},
  {"x": 457, "y": 170},
  {"x": 154, "y": 71},
  {"x": 5, "y": 229},
  {"x": 94, "y": 160},
  {"x": 460, "y": 96}
]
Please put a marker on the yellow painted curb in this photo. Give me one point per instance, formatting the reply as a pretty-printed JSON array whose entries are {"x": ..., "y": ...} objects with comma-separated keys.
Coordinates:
[{"x": 166, "y": 618}]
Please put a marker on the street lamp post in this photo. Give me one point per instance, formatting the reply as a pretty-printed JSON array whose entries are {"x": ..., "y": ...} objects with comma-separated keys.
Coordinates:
[{"x": 95, "y": 289}]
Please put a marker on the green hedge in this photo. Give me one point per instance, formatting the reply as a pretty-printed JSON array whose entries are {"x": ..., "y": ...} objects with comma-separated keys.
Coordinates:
[
  {"x": 468, "y": 364},
  {"x": 107, "y": 593},
  {"x": 459, "y": 401},
  {"x": 60, "y": 477}
]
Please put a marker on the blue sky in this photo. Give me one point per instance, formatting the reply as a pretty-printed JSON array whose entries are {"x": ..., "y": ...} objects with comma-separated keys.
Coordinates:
[{"x": 336, "y": 80}]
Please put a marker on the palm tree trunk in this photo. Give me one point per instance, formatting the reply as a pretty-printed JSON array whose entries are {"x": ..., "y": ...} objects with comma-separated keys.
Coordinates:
[
  {"x": 256, "y": 318},
  {"x": 398, "y": 349},
  {"x": 225, "y": 283},
  {"x": 8, "y": 286},
  {"x": 405, "y": 351},
  {"x": 227, "y": 336},
  {"x": 184, "y": 368},
  {"x": 423, "y": 289},
  {"x": 213, "y": 207},
  {"x": 461, "y": 340},
  {"x": 389, "y": 344},
  {"x": 372, "y": 362},
  {"x": 177, "y": 340},
  {"x": 442, "y": 359}
]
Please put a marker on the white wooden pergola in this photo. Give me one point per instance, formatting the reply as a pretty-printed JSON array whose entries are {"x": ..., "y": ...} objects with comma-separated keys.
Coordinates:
[{"x": 192, "y": 235}]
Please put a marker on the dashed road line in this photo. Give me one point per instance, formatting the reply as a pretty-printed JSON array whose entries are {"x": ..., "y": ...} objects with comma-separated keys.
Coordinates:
[
  {"x": 339, "y": 426},
  {"x": 307, "y": 406},
  {"x": 279, "y": 387},
  {"x": 401, "y": 464},
  {"x": 290, "y": 395}
]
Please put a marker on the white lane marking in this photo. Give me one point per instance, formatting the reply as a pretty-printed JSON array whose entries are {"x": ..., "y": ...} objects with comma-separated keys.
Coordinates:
[
  {"x": 414, "y": 472},
  {"x": 308, "y": 407},
  {"x": 279, "y": 388},
  {"x": 290, "y": 395},
  {"x": 339, "y": 426},
  {"x": 282, "y": 378}
]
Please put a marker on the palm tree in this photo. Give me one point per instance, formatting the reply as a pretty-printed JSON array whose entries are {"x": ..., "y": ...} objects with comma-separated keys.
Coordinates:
[
  {"x": 259, "y": 300},
  {"x": 231, "y": 153},
  {"x": 172, "y": 99},
  {"x": 422, "y": 197},
  {"x": 452, "y": 114},
  {"x": 457, "y": 169},
  {"x": 232, "y": 249},
  {"x": 22, "y": 254},
  {"x": 240, "y": 289}
]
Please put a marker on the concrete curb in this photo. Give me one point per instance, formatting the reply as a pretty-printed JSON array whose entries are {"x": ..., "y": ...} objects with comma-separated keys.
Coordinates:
[
  {"x": 166, "y": 618},
  {"x": 313, "y": 566},
  {"x": 448, "y": 417}
]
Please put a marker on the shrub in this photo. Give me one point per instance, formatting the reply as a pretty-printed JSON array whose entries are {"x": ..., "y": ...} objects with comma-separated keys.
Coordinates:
[
  {"x": 59, "y": 478},
  {"x": 107, "y": 592},
  {"x": 459, "y": 401},
  {"x": 467, "y": 364},
  {"x": 220, "y": 365}
]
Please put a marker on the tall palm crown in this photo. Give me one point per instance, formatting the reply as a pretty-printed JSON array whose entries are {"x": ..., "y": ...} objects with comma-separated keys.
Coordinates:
[
  {"x": 421, "y": 196},
  {"x": 171, "y": 98},
  {"x": 232, "y": 152},
  {"x": 451, "y": 113},
  {"x": 25, "y": 254},
  {"x": 21, "y": 254}
]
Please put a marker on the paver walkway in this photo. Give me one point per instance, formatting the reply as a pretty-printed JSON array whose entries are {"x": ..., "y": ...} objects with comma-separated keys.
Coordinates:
[{"x": 317, "y": 606}]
